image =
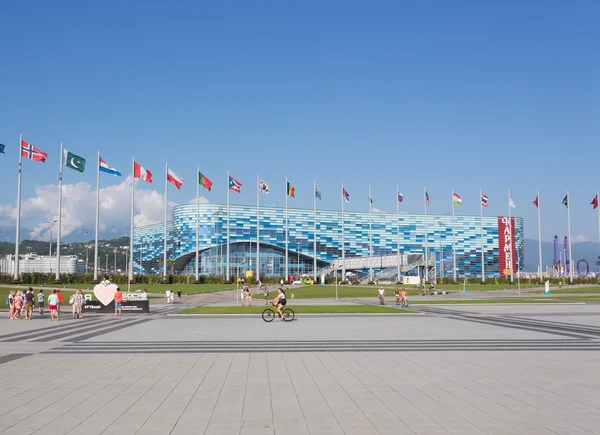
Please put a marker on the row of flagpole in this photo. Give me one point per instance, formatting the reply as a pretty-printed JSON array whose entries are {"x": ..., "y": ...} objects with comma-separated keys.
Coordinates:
[{"x": 78, "y": 163}]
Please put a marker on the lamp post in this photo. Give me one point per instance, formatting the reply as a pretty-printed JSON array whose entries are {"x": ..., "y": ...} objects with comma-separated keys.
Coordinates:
[
  {"x": 141, "y": 260},
  {"x": 115, "y": 252},
  {"x": 50, "y": 252},
  {"x": 87, "y": 249},
  {"x": 107, "y": 264},
  {"x": 336, "y": 279},
  {"x": 440, "y": 224},
  {"x": 218, "y": 265}
]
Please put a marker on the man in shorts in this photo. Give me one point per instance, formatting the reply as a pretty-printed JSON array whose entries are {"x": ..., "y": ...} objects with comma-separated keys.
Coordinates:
[
  {"x": 53, "y": 305},
  {"x": 118, "y": 302},
  {"x": 40, "y": 298},
  {"x": 29, "y": 304}
]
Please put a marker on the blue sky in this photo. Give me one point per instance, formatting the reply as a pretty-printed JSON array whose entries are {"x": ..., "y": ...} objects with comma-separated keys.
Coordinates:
[{"x": 465, "y": 94}]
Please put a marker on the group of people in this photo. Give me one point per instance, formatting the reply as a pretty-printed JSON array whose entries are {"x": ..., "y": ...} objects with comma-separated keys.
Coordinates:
[
  {"x": 21, "y": 303},
  {"x": 400, "y": 296},
  {"x": 171, "y": 296}
]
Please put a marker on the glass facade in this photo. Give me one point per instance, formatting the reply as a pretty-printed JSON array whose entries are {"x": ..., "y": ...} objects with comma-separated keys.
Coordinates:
[{"x": 212, "y": 225}]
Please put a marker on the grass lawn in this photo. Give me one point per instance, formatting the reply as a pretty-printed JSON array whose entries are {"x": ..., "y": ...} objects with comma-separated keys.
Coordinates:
[
  {"x": 298, "y": 309},
  {"x": 552, "y": 299}
]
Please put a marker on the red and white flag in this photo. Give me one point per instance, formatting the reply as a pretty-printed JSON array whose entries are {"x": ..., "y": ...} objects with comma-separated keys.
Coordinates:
[
  {"x": 175, "y": 179},
  {"x": 140, "y": 172},
  {"x": 30, "y": 152}
]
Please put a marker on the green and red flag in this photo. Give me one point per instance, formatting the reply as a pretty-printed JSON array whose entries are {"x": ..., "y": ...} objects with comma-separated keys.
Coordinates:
[{"x": 204, "y": 181}]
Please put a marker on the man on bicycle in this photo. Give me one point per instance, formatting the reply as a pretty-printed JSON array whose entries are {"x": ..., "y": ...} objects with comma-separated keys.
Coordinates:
[
  {"x": 280, "y": 301},
  {"x": 380, "y": 293}
]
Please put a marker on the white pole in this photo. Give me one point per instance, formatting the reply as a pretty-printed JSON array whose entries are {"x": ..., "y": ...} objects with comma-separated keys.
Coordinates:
[
  {"x": 315, "y": 230},
  {"x": 257, "y": 227},
  {"x": 132, "y": 216},
  {"x": 481, "y": 228},
  {"x": 453, "y": 242},
  {"x": 165, "y": 226},
  {"x": 512, "y": 272},
  {"x": 286, "y": 230},
  {"x": 426, "y": 237},
  {"x": 570, "y": 250},
  {"x": 197, "y": 220},
  {"x": 343, "y": 243},
  {"x": 18, "y": 236},
  {"x": 97, "y": 218},
  {"x": 540, "y": 236},
  {"x": 397, "y": 234},
  {"x": 370, "y": 238},
  {"x": 58, "y": 233},
  {"x": 228, "y": 209},
  {"x": 598, "y": 208}
]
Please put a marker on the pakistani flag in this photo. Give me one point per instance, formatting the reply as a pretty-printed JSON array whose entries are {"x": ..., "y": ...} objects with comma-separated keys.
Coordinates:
[{"x": 74, "y": 162}]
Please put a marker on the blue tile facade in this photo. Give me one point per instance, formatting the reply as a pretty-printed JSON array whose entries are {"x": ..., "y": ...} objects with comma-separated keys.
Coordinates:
[{"x": 181, "y": 246}]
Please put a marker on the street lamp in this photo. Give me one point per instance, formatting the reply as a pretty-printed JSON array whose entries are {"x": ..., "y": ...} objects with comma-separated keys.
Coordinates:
[
  {"x": 441, "y": 252},
  {"x": 106, "y": 264},
  {"x": 115, "y": 252},
  {"x": 87, "y": 248},
  {"x": 50, "y": 252}
]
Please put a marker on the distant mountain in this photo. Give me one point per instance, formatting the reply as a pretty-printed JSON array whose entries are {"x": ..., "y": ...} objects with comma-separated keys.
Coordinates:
[
  {"x": 588, "y": 251},
  {"x": 8, "y": 234}
]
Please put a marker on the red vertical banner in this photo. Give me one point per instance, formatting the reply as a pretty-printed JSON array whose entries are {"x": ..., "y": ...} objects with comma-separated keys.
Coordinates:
[{"x": 506, "y": 239}]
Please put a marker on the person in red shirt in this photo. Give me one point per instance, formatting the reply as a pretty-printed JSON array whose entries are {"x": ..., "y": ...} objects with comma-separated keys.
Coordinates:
[
  {"x": 118, "y": 302},
  {"x": 60, "y": 300}
]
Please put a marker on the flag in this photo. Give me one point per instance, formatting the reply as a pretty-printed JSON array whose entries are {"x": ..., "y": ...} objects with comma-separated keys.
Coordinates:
[
  {"x": 400, "y": 197},
  {"x": 595, "y": 202},
  {"x": 511, "y": 203},
  {"x": 175, "y": 179},
  {"x": 204, "y": 181},
  {"x": 291, "y": 190},
  {"x": 264, "y": 187},
  {"x": 346, "y": 195},
  {"x": 426, "y": 198},
  {"x": 484, "y": 200},
  {"x": 317, "y": 193},
  {"x": 566, "y": 201},
  {"x": 72, "y": 161},
  {"x": 2, "y": 149},
  {"x": 105, "y": 167},
  {"x": 456, "y": 199},
  {"x": 370, "y": 199},
  {"x": 234, "y": 184},
  {"x": 31, "y": 152},
  {"x": 537, "y": 201},
  {"x": 141, "y": 173}
]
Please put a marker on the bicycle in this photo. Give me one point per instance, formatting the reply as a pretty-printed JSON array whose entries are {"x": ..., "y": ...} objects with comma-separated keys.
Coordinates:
[
  {"x": 404, "y": 303},
  {"x": 269, "y": 314}
]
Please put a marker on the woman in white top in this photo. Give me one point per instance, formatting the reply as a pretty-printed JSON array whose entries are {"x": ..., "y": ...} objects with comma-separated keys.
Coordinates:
[{"x": 280, "y": 301}]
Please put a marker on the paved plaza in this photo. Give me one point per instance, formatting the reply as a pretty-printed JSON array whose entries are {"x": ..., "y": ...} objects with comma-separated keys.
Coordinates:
[{"x": 528, "y": 369}]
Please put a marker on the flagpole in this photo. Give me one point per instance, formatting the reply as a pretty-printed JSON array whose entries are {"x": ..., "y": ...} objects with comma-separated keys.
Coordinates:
[
  {"x": 57, "y": 277},
  {"x": 165, "y": 225},
  {"x": 257, "y": 227},
  {"x": 570, "y": 250},
  {"x": 426, "y": 237},
  {"x": 228, "y": 208},
  {"x": 97, "y": 218},
  {"x": 197, "y": 221},
  {"x": 511, "y": 241},
  {"x": 397, "y": 234},
  {"x": 343, "y": 243},
  {"x": 539, "y": 237},
  {"x": 598, "y": 208},
  {"x": 132, "y": 216},
  {"x": 315, "y": 230},
  {"x": 453, "y": 241},
  {"x": 18, "y": 236},
  {"x": 481, "y": 229},
  {"x": 370, "y": 237},
  {"x": 286, "y": 230}
]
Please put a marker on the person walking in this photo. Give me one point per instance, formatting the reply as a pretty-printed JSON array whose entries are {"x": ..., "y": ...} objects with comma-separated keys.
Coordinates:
[
  {"x": 40, "y": 299},
  {"x": 29, "y": 296},
  {"x": 60, "y": 300},
  {"x": 168, "y": 294},
  {"x": 179, "y": 296},
  {"x": 76, "y": 301},
  {"x": 10, "y": 301},
  {"x": 118, "y": 302},
  {"x": 266, "y": 294},
  {"x": 53, "y": 305}
]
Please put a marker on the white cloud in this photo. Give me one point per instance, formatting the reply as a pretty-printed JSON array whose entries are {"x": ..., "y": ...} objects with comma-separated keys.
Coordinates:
[
  {"x": 79, "y": 208},
  {"x": 201, "y": 200},
  {"x": 376, "y": 210},
  {"x": 577, "y": 238}
]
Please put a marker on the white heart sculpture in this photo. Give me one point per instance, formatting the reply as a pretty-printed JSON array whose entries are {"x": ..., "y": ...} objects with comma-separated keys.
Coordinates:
[{"x": 105, "y": 294}]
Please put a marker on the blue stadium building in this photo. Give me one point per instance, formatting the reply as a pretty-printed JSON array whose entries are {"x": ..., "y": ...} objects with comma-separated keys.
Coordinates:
[{"x": 212, "y": 225}]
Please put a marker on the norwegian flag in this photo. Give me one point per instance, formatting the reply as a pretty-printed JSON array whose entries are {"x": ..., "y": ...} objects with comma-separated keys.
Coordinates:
[
  {"x": 30, "y": 152},
  {"x": 175, "y": 179},
  {"x": 234, "y": 184},
  {"x": 141, "y": 173}
]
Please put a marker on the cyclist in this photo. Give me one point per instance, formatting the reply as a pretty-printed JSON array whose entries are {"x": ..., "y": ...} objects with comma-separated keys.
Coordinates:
[
  {"x": 280, "y": 301},
  {"x": 380, "y": 294},
  {"x": 403, "y": 295}
]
